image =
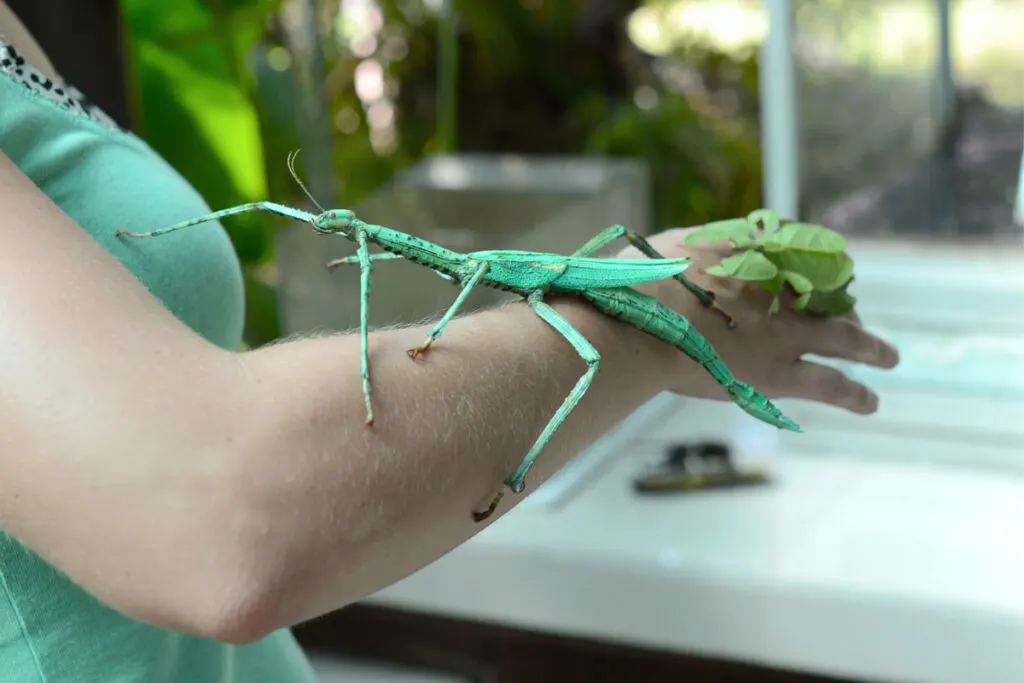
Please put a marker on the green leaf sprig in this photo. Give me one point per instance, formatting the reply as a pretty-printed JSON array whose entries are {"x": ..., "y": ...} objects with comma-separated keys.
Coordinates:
[{"x": 809, "y": 259}]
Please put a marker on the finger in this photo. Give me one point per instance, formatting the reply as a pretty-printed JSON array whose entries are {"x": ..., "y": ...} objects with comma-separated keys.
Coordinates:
[
  {"x": 825, "y": 384},
  {"x": 845, "y": 339}
]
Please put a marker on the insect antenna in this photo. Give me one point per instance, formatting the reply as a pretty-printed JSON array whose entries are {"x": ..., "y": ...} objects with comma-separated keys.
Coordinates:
[{"x": 291, "y": 169}]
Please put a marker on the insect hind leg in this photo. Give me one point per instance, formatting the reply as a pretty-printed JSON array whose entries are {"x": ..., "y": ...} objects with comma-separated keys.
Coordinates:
[
  {"x": 516, "y": 482},
  {"x": 610, "y": 234}
]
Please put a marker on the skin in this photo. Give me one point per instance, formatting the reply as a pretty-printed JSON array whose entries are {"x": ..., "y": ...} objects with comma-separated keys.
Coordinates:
[{"x": 230, "y": 494}]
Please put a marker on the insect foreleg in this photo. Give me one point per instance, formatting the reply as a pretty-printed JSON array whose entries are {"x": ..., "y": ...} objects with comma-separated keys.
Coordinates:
[{"x": 268, "y": 207}]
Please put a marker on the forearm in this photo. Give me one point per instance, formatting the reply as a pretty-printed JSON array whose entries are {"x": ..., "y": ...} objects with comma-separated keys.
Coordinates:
[{"x": 362, "y": 507}]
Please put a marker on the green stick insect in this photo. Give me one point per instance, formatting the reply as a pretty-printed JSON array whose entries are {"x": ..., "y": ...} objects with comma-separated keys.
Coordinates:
[{"x": 603, "y": 282}]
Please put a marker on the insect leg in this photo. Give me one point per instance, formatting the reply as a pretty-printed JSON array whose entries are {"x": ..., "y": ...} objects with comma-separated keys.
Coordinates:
[
  {"x": 365, "y": 268},
  {"x": 601, "y": 240},
  {"x": 468, "y": 286},
  {"x": 349, "y": 260},
  {"x": 608, "y": 235},
  {"x": 268, "y": 207},
  {"x": 517, "y": 480}
]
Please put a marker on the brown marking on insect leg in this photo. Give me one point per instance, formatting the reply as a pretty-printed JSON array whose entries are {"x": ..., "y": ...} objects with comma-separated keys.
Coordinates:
[{"x": 479, "y": 516}]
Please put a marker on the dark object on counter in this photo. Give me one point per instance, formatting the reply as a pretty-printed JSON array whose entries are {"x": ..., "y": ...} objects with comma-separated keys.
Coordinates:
[{"x": 697, "y": 467}]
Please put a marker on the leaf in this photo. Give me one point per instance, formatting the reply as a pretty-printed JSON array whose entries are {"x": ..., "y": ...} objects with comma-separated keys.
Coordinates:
[
  {"x": 749, "y": 265},
  {"x": 739, "y": 230},
  {"x": 804, "y": 237},
  {"x": 800, "y": 283},
  {"x": 205, "y": 130},
  {"x": 194, "y": 106},
  {"x": 825, "y": 272},
  {"x": 773, "y": 285},
  {"x": 836, "y": 302},
  {"x": 801, "y": 301},
  {"x": 769, "y": 220},
  {"x": 262, "y": 322}
]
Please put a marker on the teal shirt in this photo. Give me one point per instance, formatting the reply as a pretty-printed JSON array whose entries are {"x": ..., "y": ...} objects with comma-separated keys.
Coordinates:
[{"x": 51, "y": 630}]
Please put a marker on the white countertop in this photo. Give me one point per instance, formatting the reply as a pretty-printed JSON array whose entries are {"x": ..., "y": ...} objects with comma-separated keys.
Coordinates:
[{"x": 889, "y": 548}]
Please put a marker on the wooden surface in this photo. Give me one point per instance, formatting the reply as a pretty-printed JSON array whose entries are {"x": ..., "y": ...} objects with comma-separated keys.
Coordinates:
[{"x": 487, "y": 653}]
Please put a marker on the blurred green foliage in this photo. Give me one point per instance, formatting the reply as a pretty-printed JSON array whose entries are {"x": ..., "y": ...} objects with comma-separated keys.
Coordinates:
[
  {"x": 217, "y": 93},
  {"x": 194, "y": 104}
]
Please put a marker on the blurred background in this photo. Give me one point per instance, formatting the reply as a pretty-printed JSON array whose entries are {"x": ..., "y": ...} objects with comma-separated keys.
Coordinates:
[
  {"x": 536, "y": 123},
  {"x": 891, "y": 140}
]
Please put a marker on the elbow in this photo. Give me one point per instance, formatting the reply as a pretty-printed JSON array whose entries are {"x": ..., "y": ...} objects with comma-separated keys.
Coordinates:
[
  {"x": 232, "y": 622},
  {"x": 233, "y": 607},
  {"x": 243, "y": 566},
  {"x": 225, "y": 606},
  {"x": 253, "y": 580},
  {"x": 219, "y": 575},
  {"x": 241, "y": 598},
  {"x": 229, "y": 609}
]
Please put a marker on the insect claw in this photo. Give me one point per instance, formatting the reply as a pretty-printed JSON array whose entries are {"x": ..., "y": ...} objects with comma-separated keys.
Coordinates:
[
  {"x": 730, "y": 322},
  {"x": 485, "y": 514},
  {"x": 419, "y": 351},
  {"x": 479, "y": 516}
]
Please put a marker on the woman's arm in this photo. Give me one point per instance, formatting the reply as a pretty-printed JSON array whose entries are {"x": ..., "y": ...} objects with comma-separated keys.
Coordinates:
[
  {"x": 364, "y": 508},
  {"x": 230, "y": 494},
  {"x": 114, "y": 421}
]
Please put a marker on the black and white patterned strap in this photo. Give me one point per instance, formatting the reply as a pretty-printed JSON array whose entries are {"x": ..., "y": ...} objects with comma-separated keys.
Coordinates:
[{"x": 15, "y": 66}]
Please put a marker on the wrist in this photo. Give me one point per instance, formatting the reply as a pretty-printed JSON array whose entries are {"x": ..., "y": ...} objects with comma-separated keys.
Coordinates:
[{"x": 638, "y": 364}]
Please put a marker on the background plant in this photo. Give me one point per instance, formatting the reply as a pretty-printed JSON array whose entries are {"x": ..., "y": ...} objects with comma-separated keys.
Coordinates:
[{"x": 223, "y": 90}]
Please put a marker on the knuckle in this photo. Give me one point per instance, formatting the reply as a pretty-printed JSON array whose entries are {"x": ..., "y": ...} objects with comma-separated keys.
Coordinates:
[
  {"x": 835, "y": 384},
  {"x": 854, "y": 338},
  {"x": 862, "y": 399}
]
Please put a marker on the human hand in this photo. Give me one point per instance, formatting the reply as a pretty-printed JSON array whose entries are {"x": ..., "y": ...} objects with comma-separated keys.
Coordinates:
[{"x": 765, "y": 351}]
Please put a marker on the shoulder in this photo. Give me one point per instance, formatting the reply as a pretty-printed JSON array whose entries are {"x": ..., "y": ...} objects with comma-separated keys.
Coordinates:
[
  {"x": 106, "y": 179},
  {"x": 15, "y": 34}
]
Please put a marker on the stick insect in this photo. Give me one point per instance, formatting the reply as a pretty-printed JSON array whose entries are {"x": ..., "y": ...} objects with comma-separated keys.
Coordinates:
[{"x": 603, "y": 282}]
